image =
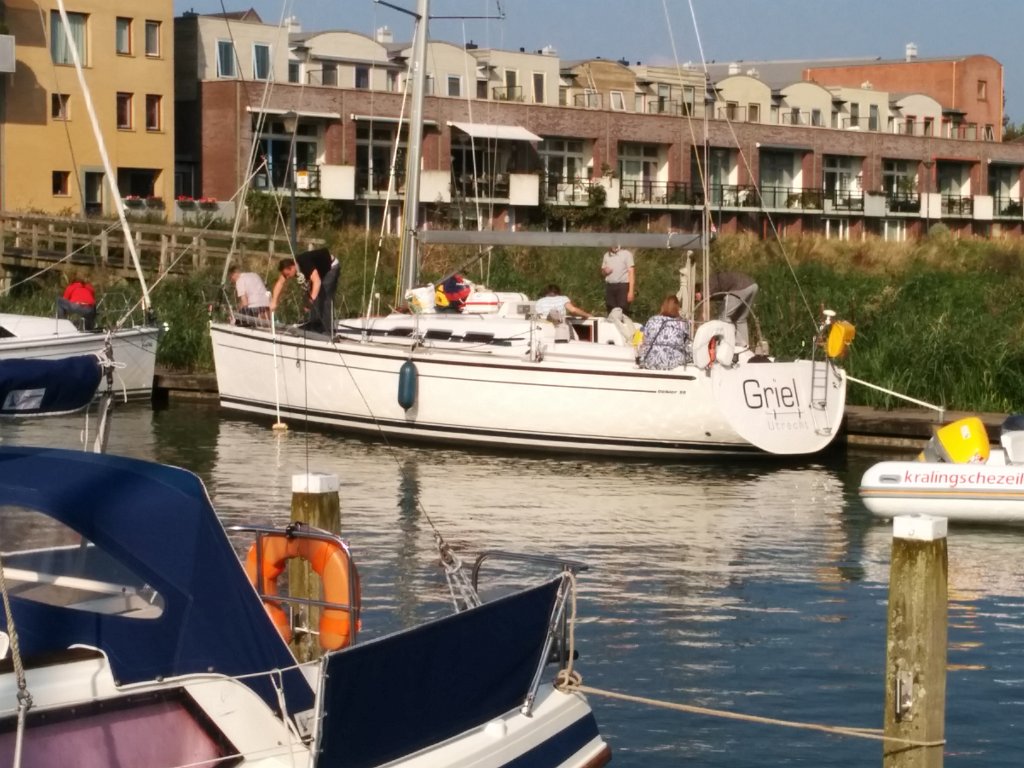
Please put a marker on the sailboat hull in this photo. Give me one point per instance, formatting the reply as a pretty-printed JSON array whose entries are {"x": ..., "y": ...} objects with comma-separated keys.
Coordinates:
[
  {"x": 574, "y": 397},
  {"x": 134, "y": 349}
]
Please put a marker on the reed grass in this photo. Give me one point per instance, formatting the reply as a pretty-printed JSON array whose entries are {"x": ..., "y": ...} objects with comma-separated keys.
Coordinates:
[{"x": 939, "y": 319}]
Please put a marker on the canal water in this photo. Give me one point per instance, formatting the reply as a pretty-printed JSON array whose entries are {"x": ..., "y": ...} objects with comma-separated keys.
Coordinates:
[{"x": 757, "y": 588}]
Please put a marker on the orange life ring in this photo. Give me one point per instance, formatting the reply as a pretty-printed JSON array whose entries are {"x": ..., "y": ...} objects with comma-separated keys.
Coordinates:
[{"x": 330, "y": 561}]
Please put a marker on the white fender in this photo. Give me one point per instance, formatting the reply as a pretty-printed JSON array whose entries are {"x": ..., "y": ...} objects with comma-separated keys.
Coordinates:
[{"x": 724, "y": 335}]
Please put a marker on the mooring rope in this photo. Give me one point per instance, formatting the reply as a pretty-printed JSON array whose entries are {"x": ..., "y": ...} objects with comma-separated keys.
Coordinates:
[
  {"x": 569, "y": 680},
  {"x": 24, "y": 697}
]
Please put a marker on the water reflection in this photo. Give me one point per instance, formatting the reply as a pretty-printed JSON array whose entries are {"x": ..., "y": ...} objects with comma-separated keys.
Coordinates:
[{"x": 757, "y": 588}]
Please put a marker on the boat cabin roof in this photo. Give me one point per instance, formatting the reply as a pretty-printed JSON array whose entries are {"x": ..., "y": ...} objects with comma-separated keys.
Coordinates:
[{"x": 145, "y": 572}]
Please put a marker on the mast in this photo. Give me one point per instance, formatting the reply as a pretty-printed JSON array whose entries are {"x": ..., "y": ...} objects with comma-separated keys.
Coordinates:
[
  {"x": 107, "y": 167},
  {"x": 410, "y": 216}
]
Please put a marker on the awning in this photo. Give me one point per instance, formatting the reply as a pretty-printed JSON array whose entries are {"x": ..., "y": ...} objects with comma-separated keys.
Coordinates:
[
  {"x": 384, "y": 119},
  {"x": 301, "y": 113},
  {"x": 491, "y": 131}
]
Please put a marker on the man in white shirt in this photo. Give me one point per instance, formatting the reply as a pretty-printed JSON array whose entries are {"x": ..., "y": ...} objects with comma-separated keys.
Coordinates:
[
  {"x": 619, "y": 279},
  {"x": 253, "y": 296},
  {"x": 555, "y": 306}
]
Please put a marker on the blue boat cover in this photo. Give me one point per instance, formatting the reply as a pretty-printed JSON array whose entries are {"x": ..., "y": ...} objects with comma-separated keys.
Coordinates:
[
  {"x": 399, "y": 694},
  {"x": 157, "y": 522},
  {"x": 48, "y": 387}
]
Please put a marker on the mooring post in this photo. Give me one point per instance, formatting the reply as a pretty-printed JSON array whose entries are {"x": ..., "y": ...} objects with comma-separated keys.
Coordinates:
[
  {"x": 315, "y": 503},
  {"x": 915, "y": 664}
]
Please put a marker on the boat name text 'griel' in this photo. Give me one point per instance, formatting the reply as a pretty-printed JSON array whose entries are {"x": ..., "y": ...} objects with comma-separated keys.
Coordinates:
[{"x": 756, "y": 395}]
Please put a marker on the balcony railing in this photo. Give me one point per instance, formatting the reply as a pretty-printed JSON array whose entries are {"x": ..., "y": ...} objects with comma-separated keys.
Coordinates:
[
  {"x": 480, "y": 187},
  {"x": 588, "y": 100},
  {"x": 307, "y": 179},
  {"x": 1007, "y": 205},
  {"x": 958, "y": 205},
  {"x": 377, "y": 183},
  {"x": 665, "y": 107},
  {"x": 791, "y": 198},
  {"x": 843, "y": 200},
  {"x": 507, "y": 93},
  {"x": 903, "y": 202},
  {"x": 639, "y": 192}
]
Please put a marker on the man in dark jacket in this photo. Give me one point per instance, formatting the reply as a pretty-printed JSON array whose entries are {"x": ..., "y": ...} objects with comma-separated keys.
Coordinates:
[{"x": 320, "y": 270}]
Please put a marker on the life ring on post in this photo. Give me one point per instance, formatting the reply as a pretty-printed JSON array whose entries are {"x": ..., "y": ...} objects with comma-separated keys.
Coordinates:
[
  {"x": 714, "y": 342},
  {"x": 330, "y": 561}
]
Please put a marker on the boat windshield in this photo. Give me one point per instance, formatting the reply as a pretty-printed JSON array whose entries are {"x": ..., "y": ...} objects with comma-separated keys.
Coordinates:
[{"x": 47, "y": 562}]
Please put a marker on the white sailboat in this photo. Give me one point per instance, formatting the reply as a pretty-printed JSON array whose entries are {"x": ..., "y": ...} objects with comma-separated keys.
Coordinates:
[
  {"x": 133, "y": 347},
  {"x": 497, "y": 375}
]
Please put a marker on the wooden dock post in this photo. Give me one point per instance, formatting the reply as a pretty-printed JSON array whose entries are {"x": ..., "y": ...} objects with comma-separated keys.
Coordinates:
[
  {"x": 915, "y": 665},
  {"x": 315, "y": 503}
]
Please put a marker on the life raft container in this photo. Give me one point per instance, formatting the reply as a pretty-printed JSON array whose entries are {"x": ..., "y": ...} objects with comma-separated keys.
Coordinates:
[{"x": 330, "y": 561}]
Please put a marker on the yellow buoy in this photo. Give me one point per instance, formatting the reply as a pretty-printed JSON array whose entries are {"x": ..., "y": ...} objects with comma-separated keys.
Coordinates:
[{"x": 839, "y": 338}]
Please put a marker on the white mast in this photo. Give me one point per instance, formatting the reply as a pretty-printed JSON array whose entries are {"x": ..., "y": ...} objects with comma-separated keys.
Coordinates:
[
  {"x": 410, "y": 217},
  {"x": 111, "y": 178}
]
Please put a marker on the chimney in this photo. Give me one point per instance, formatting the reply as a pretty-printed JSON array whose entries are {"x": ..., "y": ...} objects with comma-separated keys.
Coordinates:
[
  {"x": 734, "y": 69},
  {"x": 911, "y": 51},
  {"x": 471, "y": 46},
  {"x": 293, "y": 25},
  {"x": 549, "y": 50},
  {"x": 384, "y": 35}
]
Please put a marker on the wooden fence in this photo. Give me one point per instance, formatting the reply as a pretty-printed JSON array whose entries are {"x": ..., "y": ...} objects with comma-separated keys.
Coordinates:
[{"x": 35, "y": 242}]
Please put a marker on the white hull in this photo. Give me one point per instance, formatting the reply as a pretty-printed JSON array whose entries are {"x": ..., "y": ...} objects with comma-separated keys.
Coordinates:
[
  {"x": 47, "y": 338},
  {"x": 260, "y": 737},
  {"x": 978, "y": 493},
  {"x": 576, "y": 396}
]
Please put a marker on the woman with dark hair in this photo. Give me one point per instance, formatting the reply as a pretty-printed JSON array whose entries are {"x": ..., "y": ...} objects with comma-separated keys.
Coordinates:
[{"x": 665, "y": 338}]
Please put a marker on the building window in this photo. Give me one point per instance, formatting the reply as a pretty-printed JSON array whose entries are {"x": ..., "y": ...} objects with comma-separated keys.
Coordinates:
[
  {"x": 538, "y": 88},
  {"x": 454, "y": 86},
  {"x": 618, "y": 103},
  {"x": 61, "y": 187},
  {"x": 154, "y": 110},
  {"x": 363, "y": 78},
  {"x": 873, "y": 119},
  {"x": 982, "y": 90},
  {"x": 837, "y": 229},
  {"x": 990, "y": 134},
  {"x": 816, "y": 118},
  {"x": 564, "y": 163},
  {"x": 60, "y": 50},
  {"x": 563, "y": 96},
  {"x": 854, "y": 115},
  {"x": 261, "y": 61},
  {"x": 153, "y": 38},
  {"x": 123, "y": 36},
  {"x": 124, "y": 111},
  {"x": 59, "y": 106},
  {"x": 929, "y": 126},
  {"x": 753, "y": 113},
  {"x": 481, "y": 89},
  {"x": 225, "y": 59},
  {"x": 391, "y": 81},
  {"x": 894, "y": 230},
  {"x": 330, "y": 74},
  {"x": 293, "y": 71}
]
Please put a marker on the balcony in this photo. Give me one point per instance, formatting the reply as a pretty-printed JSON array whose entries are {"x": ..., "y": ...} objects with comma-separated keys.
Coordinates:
[
  {"x": 903, "y": 202},
  {"x": 1007, "y": 206},
  {"x": 507, "y": 93},
  {"x": 639, "y": 192},
  {"x": 958, "y": 206},
  {"x": 307, "y": 179},
  {"x": 485, "y": 187},
  {"x": 376, "y": 184},
  {"x": 666, "y": 107},
  {"x": 588, "y": 100},
  {"x": 791, "y": 198},
  {"x": 843, "y": 201}
]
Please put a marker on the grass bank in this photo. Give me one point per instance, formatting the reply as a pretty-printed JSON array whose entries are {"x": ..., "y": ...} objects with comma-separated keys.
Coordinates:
[{"x": 940, "y": 320}]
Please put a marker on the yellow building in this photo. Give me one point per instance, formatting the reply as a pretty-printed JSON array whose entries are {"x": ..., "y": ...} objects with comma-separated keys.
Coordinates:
[{"x": 50, "y": 158}]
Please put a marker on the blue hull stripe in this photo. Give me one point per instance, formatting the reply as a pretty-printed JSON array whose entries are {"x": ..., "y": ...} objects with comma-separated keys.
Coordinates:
[{"x": 560, "y": 747}]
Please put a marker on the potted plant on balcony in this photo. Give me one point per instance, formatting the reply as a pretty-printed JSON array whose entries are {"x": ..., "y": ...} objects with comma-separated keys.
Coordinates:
[
  {"x": 208, "y": 203},
  {"x": 134, "y": 201},
  {"x": 154, "y": 201},
  {"x": 186, "y": 202}
]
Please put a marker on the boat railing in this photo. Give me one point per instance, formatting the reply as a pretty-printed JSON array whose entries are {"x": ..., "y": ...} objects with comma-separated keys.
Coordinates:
[
  {"x": 301, "y": 531},
  {"x": 556, "y": 647}
]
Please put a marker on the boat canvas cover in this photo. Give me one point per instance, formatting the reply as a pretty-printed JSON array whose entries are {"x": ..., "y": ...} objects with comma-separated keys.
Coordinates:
[
  {"x": 157, "y": 522},
  {"x": 433, "y": 682},
  {"x": 48, "y": 387}
]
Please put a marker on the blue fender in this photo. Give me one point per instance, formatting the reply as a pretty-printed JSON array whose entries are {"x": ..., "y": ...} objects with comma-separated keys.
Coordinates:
[{"x": 408, "y": 382}]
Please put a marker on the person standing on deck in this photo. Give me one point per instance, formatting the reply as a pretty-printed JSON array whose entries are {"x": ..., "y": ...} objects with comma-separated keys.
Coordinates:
[
  {"x": 320, "y": 270},
  {"x": 619, "y": 274}
]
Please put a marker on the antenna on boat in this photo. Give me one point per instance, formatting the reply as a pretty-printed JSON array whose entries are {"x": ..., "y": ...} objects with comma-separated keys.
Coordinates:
[{"x": 107, "y": 167}]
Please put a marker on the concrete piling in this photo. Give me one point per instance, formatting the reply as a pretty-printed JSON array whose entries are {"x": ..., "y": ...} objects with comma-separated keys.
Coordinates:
[{"x": 915, "y": 667}]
